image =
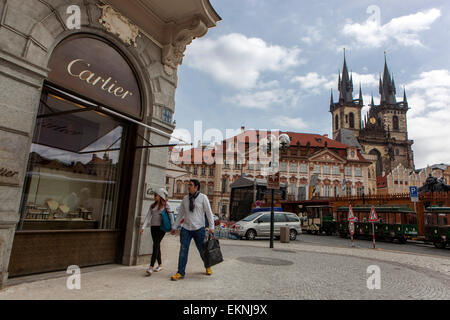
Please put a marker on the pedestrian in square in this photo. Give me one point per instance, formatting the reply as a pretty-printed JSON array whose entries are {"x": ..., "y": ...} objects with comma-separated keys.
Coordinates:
[
  {"x": 194, "y": 209},
  {"x": 153, "y": 218}
]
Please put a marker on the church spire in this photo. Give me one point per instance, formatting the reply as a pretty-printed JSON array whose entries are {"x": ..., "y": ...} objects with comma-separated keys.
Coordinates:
[
  {"x": 387, "y": 86},
  {"x": 405, "y": 101},
  {"x": 331, "y": 99},
  {"x": 360, "y": 95},
  {"x": 345, "y": 85}
]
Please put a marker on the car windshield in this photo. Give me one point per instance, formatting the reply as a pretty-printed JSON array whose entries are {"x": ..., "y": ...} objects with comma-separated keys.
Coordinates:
[{"x": 252, "y": 216}]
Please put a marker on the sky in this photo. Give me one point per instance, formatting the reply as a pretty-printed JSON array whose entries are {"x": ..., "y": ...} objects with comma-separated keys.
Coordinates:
[{"x": 271, "y": 64}]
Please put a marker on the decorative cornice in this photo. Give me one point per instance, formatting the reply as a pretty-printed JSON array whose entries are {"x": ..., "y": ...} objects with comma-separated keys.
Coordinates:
[
  {"x": 118, "y": 25},
  {"x": 173, "y": 53}
]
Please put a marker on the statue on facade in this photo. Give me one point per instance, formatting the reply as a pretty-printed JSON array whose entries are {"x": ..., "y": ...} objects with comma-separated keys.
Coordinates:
[{"x": 433, "y": 184}]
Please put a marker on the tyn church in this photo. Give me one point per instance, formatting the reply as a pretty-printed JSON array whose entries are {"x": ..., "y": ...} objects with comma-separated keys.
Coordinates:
[{"x": 383, "y": 132}]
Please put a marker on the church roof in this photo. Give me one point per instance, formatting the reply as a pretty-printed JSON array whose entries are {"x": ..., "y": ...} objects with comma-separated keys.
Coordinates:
[{"x": 347, "y": 137}]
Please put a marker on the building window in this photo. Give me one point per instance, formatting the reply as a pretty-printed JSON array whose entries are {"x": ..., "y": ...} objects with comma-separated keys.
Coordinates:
[
  {"x": 397, "y": 152},
  {"x": 348, "y": 171},
  {"x": 360, "y": 191},
  {"x": 210, "y": 189},
  {"x": 188, "y": 169},
  {"x": 195, "y": 171},
  {"x": 336, "y": 122},
  {"x": 293, "y": 167},
  {"x": 303, "y": 168},
  {"x": 178, "y": 188},
  {"x": 167, "y": 180},
  {"x": 351, "y": 120},
  {"x": 283, "y": 166},
  {"x": 326, "y": 169},
  {"x": 224, "y": 185},
  {"x": 259, "y": 166},
  {"x": 167, "y": 115},
  {"x": 358, "y": 172},
  {"x": 336, "y": 170},
  {"x": 316, "y": 168},
  {"x": 336, "y": 191},
  {"x": 237, "y": 165},
  {"x": 211, "y": 171},
  {"x": 348, "y": 190},
  {"x": 395, "y": 122},
  {"x": 226, "y": 164},
  {"x": 292, "y": 189},
  {"x": 317, "y": 190},
  {"x": 250, "y": 166},
  {"x": 326, "y": 191},
  {"x": 203, "y": 171}
]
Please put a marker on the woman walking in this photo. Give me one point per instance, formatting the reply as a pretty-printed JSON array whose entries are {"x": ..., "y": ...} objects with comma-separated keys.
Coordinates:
[{"x": 154, "y": 219}]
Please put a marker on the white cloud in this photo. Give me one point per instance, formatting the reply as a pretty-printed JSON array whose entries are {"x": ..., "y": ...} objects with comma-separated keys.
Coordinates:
[
  {"x": 402, "y": 30},
  {"x": 239, "y": 61},
  {"x": 429, "y": 117},
  {"x": 288, "y": 123},
  {"x": 264, "y": 99},
  {"x": 316, "y": 83}
]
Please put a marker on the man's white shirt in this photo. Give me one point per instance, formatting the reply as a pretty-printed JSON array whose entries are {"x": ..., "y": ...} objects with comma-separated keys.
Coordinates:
[{"x": 194, "y": 220}]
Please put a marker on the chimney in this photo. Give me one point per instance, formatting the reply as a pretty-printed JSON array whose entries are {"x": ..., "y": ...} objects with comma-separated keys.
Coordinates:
[{"x": 242, "y": 129}]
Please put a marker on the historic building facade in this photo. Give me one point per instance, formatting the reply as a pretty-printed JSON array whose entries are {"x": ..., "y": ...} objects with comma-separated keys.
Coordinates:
[
  {"x": 308, "y": 155},
  {"x": 86, "y": 101},
  {"x": 383, "y": 133}
]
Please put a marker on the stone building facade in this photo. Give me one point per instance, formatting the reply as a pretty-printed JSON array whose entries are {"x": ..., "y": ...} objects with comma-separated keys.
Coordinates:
[
  {"x": 334, "y": 164},
  {"x": 147, "y": 39}
]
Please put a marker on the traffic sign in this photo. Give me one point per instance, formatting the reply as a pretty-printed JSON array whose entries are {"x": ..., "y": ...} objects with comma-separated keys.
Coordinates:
[
  {"x": 258, "y": 203},
  {"x": 273, "y": 181},
  {"x": 413, "y": 192},
  {"x": 351, "y": 227},
  {"x": 351, "y": 216},
  {"x": 373, "y": 215}
]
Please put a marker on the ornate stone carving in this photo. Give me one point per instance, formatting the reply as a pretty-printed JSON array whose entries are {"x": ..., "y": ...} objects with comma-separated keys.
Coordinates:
[
  {"x": 118, "y": 25},
  {"x": 173, "y": 52}
]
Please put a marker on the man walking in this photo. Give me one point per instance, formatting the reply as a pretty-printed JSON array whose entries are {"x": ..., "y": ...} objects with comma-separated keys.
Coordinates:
[{"x": 193, "y": 209}]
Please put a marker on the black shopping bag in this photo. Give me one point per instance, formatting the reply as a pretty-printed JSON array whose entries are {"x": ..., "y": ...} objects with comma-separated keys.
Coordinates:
[{"x": 211, "y": 252}]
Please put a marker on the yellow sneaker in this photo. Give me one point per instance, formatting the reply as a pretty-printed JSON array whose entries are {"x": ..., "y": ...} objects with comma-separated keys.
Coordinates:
[
  {"x": 208, "y": 271},
  {"x": 176, "y": 277}
]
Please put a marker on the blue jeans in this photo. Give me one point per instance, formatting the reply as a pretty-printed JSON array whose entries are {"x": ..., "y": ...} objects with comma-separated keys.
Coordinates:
[{"x": 185, "y": 241}]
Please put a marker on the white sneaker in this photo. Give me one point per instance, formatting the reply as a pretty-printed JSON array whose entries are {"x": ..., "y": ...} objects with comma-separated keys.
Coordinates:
[
  {"x": 149, "y": 271},
  {"x": 158, "y": 268}
]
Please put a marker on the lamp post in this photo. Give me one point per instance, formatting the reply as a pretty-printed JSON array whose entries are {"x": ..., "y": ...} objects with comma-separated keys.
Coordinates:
[{"x": 273, "y": 182}]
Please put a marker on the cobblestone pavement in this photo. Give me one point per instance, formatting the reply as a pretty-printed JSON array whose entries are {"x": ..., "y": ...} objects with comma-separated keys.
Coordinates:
[{"x": 251, "y": 270}]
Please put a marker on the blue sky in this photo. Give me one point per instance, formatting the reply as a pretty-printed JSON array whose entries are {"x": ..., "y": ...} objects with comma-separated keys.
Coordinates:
[{"x": 270, "y": 64}]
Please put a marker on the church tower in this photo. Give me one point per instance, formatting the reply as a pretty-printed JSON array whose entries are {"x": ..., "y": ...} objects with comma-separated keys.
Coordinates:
[
  {"x": 384, "y": 132},
  {"x": 346, "y": 113}
]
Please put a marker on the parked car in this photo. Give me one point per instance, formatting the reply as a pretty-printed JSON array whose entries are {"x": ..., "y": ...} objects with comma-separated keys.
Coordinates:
[{"x": 258, "y": 225}]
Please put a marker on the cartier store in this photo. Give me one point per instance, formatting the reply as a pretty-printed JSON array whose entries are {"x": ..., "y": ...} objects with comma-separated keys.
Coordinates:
[{"x": 77, "y": 181}]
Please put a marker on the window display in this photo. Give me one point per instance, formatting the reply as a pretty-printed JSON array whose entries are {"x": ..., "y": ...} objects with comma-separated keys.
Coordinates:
[{"x": 73, "y": 175}]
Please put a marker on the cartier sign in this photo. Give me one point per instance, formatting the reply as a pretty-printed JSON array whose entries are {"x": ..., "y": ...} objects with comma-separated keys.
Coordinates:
[
  {"x": 96, "y": 70},
  {"x": 9, "y": 175}
]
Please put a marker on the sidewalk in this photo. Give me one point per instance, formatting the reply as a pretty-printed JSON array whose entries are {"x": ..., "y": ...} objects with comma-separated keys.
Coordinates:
[{"x": 251, "y": 270}]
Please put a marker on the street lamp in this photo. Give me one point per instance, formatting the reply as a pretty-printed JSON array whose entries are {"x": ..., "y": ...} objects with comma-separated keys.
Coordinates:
[{"x": 273, "y": 145}]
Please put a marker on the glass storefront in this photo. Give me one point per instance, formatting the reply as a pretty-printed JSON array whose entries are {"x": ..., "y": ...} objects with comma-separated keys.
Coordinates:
[{"x": 75, "y": 164}]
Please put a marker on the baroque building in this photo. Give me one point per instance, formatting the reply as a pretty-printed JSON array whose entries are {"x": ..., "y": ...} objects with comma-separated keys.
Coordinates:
[
  {"x": 382, "y": 136},
  {"x": 340, "y": 169}
]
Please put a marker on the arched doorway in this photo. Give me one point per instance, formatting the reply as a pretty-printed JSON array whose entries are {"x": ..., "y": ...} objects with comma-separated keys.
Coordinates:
[
  {"x": 379, "y": 164},
  {"x": 76, "y": 190}
]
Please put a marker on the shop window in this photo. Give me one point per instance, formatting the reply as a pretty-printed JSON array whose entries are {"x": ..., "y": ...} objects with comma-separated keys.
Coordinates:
[{"x": 75, "y": 164}]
